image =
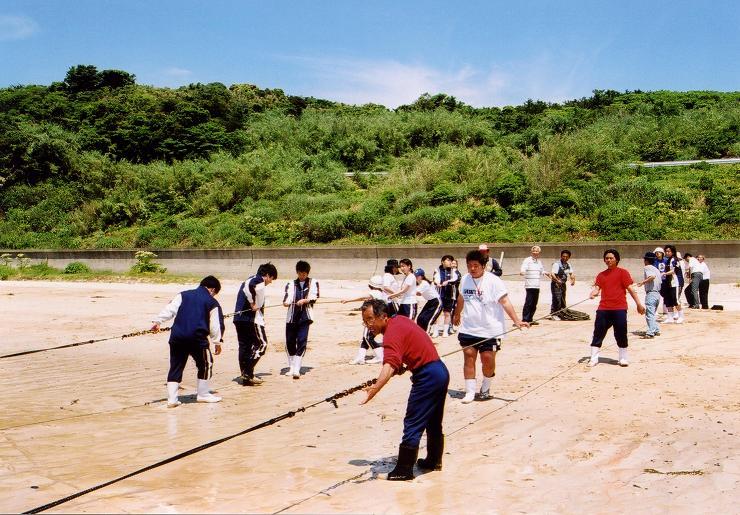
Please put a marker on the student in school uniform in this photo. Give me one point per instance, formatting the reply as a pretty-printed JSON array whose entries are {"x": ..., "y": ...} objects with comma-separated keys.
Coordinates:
[
  {"x": 249, "y": 321},
  {"x": 199, "y": 321},
  {"x": 300, "y": 296},
  {"x": 432, "y": 307}
]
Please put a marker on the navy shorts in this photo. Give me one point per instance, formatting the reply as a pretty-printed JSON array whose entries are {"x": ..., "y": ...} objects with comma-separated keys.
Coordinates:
[{"x": 488, "y": 344}]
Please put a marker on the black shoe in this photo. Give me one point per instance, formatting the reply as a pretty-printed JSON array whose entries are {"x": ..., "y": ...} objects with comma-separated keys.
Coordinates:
[
  {"x": 435, "y": 449},
  {"x": 404, "y": 470},
  {"x": 534, "y": 323}
]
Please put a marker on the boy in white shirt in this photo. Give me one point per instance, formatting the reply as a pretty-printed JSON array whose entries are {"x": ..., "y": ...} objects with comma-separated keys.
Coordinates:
[{"x": 481, "y": 305}]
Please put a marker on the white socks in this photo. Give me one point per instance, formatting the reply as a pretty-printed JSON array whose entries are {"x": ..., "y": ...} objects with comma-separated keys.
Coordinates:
[
  {"x": 594, "y": 356},
  {"x": 172, "y": 401},
  {"x": 360, "y": 358},
  {"x": 485, "y": 385},
  {"x": 204, "y": 393},
  {"x": 623, "y": 362},
  {"x": 295, "y": 367},
  {"x": 469, "y": 391}
]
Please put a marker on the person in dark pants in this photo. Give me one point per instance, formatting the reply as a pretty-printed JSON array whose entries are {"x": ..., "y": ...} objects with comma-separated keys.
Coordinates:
[
  {"x": 249, "y": 321},
  {"x": 559, "y": 274},
  {"x": 300, "y": 296},
  {"x": 704, "y": 284},
  {"x": 532, "y": 270},
  {"x": 198, "y": 317},
  {"x": 408, "y": 346},
  {"x": 612, "y": 284}
]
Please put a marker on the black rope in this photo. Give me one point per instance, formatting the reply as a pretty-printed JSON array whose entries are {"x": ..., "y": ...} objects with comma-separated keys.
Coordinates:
[
  {"x": 331, "y": 399},
  {"x": 492, "y": 338},
  {"x": 86, "y": 342}
]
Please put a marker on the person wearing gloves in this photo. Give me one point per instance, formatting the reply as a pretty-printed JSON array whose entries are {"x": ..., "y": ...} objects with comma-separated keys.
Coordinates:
[
  {"x": 299, "y": 298},
  {"x": 198, "y": 319},
  {"x": 408, "y": 346}
]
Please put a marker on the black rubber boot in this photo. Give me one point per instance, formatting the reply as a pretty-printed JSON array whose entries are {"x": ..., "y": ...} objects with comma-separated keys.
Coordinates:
[
  {"x": 435, "y": 449},
  {"x": 404, "y": 470}
]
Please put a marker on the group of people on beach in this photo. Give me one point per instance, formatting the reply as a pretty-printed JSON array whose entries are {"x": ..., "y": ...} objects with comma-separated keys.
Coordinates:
[{"x": 476, "y": 303}]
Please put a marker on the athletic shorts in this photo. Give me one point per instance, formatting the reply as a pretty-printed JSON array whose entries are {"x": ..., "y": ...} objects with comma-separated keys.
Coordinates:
[
  {"x": 491, "y": 344},
  {"x": 448, "y": 304}
]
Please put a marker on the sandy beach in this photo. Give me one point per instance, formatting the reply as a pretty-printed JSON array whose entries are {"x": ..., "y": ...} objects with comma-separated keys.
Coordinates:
[{"x": 559, "y": 437}]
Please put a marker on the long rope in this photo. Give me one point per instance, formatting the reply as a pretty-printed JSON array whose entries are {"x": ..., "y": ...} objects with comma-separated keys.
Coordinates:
[
  {"x": 331, "y": 399},
  {"x": 128, "y": 335},
  {"x": 492, "y": 338}
]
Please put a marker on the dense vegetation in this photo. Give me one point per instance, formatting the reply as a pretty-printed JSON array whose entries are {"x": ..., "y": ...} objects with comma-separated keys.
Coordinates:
[{"x": 98, "y": 161}]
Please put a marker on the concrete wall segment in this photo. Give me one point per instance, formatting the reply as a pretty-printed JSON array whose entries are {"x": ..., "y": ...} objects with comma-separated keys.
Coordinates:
[{"x": 361, "y": 262}]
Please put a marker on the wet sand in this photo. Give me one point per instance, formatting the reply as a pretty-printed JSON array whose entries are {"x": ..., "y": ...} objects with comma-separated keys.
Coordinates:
[{"x": 659, "y": 436}]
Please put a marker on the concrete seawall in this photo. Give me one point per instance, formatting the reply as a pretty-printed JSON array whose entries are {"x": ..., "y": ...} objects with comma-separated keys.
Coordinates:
[{"x": 361, "y": 262}]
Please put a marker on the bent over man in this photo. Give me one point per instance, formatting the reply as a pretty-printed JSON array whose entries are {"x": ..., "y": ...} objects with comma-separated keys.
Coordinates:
[{"x": 408, "y": 346}]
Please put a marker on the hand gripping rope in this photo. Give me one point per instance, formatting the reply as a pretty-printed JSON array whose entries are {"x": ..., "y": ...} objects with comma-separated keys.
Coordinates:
[{"x": 331, "y": 399}]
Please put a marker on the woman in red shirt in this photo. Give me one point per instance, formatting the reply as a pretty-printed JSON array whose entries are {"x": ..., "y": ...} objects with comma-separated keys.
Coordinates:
[{"x": 612, "y": 284}]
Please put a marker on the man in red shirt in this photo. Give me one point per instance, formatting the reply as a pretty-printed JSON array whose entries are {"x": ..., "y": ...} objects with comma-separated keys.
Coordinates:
[
  {"x": 406, "y": 345},
  {"x": 612, "y": 284}
]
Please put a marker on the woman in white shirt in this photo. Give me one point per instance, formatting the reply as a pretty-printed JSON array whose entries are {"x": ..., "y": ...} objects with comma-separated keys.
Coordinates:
[
  {"x": 407, "y": 293},
  {"x": 433, "y": 307}
]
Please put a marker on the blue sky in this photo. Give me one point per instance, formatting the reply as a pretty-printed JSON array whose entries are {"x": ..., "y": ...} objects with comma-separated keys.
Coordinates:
[{"x": 485, "y": 53}]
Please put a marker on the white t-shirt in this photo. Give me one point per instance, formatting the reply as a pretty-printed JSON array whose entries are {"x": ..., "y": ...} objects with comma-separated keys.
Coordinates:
[
  {"x": 427, "y": 291},
  {"x": 704, "y": 269},
  {"x": 532, "y": 269},
  {"x": 694, "y": 265},
  {"x": 483, "y": 316},
  {"x": 410, "y": 296},
  {"x": 389, "y": 281}
]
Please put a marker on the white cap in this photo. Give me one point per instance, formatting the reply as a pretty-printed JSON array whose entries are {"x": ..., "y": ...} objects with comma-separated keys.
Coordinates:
[{"x": 376, "y": 281}]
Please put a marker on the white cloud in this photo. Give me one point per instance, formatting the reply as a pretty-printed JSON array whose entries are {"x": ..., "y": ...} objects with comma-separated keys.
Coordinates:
[
  {"x": 392, "y": 83},
  {"x": 16, "y": 27},
  {"x": 177, "y": 73}
]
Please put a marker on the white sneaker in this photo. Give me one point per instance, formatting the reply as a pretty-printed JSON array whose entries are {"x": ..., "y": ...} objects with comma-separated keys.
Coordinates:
[
  {"x": 593, "y": 361},
  {"x": 679, "y": 320},
  {"x": 623, "y": 362},
  {"x": 173, "y": 404},
  {"x": 668, "y": 321},
  {"x": 469, "y": 397},
  {"x": 208, "y": 398},
  {"x": 359, "y": 358}
]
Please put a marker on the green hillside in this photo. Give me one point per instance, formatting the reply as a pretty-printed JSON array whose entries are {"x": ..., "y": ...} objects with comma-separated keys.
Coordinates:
[{"x": 97, "y": 161}]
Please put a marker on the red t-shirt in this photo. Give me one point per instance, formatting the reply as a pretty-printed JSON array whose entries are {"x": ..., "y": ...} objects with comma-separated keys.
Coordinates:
[
  {"x": 613, "y": 283},
  {"x": 405, "y": 342}
]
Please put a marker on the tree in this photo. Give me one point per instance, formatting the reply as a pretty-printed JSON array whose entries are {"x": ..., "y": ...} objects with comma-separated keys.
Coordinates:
[
  {"x": 83, "y": 77},
  {"x": 116, "y": 79}
]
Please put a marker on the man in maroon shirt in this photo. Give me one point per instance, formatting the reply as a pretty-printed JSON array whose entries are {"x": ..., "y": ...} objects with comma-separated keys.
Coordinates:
[
  {"x": 612, "y": 284},
  {"x": 406, "y": 345}
]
